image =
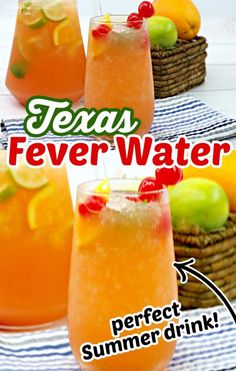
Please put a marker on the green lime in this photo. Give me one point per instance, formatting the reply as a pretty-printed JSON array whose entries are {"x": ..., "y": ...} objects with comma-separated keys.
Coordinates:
[
  {"x": 18, "y": 70},
  {"x": 162, "y": 32},
  {"x": 29, "y": 178},
  {"x": 6, "y": 191},
  {"x": 199, "y": 202},
  {"x": 54, "y": 10}
]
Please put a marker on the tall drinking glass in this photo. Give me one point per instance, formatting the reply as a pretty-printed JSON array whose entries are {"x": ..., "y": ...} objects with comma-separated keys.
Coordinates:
[
  {"x": 36, "y": 220},
  {"x": 119, "y": 69},
  {"x": 47, "y": 55},
  {"x": 121, "y": 262}
]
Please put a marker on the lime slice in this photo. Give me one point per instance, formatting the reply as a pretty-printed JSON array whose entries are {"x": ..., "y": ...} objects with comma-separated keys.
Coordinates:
[
  {"x": 54, "y": 10},
  {"x": 25, "y": 6},
  {"x": 18, "y": 70},
  {"x": 35, "y": 19},
  {"x": 6, "y": 191},
  {"x": 29, "y": 178},
  {"x": 44, "y": 209},
  {"x": 64, "y": 34}
]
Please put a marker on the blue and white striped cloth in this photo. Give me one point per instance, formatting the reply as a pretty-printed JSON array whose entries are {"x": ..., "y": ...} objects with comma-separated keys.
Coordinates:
[
  {"x": 180, "y": 115},
  {"x": 50, "y": 350}
]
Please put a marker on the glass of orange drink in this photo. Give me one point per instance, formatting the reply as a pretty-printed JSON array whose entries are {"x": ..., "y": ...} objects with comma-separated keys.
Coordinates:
[
  {"x": 47, "y": 55},
  {"x": 121, "y": 262},
  {"x": 36, "y": 222},
  {"x": 119, "y": 69}
]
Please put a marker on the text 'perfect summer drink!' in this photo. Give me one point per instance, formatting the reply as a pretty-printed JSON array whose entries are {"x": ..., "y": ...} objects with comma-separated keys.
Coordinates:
[
  {"x": 121, "y": 262},
  {"x": 36, "y": 220},
  {"x": 47, "y": 55}
]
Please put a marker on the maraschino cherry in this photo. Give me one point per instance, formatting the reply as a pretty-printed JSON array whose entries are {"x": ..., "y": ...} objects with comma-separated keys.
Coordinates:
[
  {"x": 148, "y": 189},
  {"x": 101, "y": 31},
  {"x": 169, "y": 176},
  {"x": 146, "y": 9},
  {"x": 93, "y": 205},
  {"x": 134, "y": 21}
]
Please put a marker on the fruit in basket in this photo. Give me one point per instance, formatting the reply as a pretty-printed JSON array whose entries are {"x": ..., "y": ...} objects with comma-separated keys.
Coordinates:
[
  {"x": 225, "y": 176},
  {"x": 199, "y": 202},
  {"x": 183, "y": 13},
  {"x": 162, "y": 32}
]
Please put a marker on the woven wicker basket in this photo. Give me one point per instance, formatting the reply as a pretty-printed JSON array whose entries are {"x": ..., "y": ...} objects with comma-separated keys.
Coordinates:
[
  {"x": 215, "y": 255},
  {"x": 178, "y": 69}
]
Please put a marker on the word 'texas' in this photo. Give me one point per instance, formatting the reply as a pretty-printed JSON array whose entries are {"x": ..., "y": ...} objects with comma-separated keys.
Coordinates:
[{"x": 56, "y": 116}]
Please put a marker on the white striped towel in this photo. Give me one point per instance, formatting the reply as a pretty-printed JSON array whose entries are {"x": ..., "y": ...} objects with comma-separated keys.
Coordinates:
[
  {"x": 181, "y": 115},
  {"x": 50, "y": 350}
]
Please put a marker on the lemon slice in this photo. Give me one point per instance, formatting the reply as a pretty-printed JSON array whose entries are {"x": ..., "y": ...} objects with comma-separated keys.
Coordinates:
[
  {"x": 104, "y": 188},
  {"x": 44, "y": 209},
  {"x": 29, "y": 178},
  {"x": 107, "y": 20},
  {"x": 35, "y": 19},
  {"x": 98, "y": 47},
  {"x": 54, "y": 10},
  {"x": 64, "y": 34},
  {"x": 87, "y": 231},
  {"x": 6, "y": 191}
]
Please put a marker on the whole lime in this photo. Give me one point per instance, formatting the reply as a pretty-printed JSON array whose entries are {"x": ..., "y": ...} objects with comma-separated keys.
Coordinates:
[
  {"x": 162, "y": 32},
  {"x": 199, "y": 202}
]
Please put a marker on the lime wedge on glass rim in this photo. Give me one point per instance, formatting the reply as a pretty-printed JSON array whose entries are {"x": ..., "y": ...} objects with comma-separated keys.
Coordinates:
[
  {"x": 29, "y": 178},
  {"x": 54, "y": 10}
]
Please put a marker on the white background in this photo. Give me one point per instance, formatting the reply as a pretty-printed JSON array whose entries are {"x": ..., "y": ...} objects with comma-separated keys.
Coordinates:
[{"x": 207, "y": 7}]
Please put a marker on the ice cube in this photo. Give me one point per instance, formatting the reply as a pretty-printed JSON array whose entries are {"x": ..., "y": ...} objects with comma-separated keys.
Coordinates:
[{"x": 118, "y": 203}]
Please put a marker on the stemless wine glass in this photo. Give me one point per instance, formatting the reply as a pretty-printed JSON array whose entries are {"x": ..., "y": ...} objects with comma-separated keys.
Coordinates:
[
  {"x": 36, "y": 221},
  {"x": 47, "y": 55},
  {"x": 119, "y": 69},
  {"x": 121, "y": 262}
]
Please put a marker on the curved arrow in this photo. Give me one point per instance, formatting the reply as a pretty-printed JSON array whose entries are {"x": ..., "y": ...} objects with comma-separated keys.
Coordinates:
[{"x": 184, "y": 268}]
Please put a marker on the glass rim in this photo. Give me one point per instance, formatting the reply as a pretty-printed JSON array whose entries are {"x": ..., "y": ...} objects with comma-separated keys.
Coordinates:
[
  {"x": 97, "y": 19},
  {"x": 83, "y": 188}
]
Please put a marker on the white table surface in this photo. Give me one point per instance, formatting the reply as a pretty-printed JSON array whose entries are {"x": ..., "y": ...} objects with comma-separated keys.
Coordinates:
[{"x": 219, "y": 90}]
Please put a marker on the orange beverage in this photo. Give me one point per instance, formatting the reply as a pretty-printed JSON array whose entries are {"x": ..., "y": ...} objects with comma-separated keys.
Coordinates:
[
  {"x": 119, "y": 69},
  {"x": 121, "y": 262},
  {"x": 36, "y": 220},
  {"x": 48, "y": 55}
]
